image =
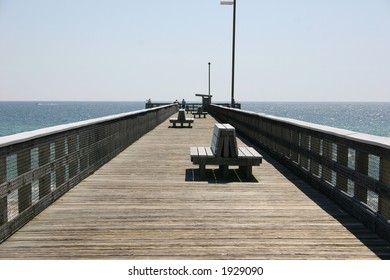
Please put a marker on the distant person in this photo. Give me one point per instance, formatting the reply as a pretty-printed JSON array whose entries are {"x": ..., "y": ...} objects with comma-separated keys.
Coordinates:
[
  {"x": 149, "y": 101},
  {"x": 183, "y": 104},
  {"x": 177, "y": 103}
]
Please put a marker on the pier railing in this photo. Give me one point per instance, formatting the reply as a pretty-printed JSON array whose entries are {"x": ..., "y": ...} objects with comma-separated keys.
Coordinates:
[
  {"x": 352, "y": 168},
  {"x": 37, "y": 167},
  {"x": 190, "y": 106}
]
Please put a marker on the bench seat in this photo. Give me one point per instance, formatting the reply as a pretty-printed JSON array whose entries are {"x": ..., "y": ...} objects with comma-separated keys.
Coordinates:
[
  {"x": 199, "y": 114},
  {"x": 174, "y": 121},
  {"x": 181, "y": 118},
  {"x": 224, "y": 152}
]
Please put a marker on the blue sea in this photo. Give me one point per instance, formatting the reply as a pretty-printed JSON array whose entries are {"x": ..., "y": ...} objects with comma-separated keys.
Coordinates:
[
  {"x": 366, "y": 117},
  {"x": 371, "y": 118},
  {"x": 18, "y": 117}
]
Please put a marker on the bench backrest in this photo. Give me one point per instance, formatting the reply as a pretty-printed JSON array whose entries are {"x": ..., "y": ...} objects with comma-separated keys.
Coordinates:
[
  {"x": 224, "y": 142},
  {"x": 182, "y": 115},
  {"x": 199, "y": 111}
]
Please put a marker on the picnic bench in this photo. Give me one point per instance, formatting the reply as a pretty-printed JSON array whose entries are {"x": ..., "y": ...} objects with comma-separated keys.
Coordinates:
[
  {"x": 181, "y": 118},
  {"x": 224, "y": 152},
  {"x": 199, "y": 112}
]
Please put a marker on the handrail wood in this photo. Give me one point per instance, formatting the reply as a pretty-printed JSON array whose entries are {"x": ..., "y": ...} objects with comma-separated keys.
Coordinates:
[{"x": 351, "y": 167}]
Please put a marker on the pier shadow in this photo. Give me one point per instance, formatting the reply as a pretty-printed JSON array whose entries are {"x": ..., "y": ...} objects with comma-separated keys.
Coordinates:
[
  {"x": 379, "y": 246},
  {"x": 214, "y": 176}
]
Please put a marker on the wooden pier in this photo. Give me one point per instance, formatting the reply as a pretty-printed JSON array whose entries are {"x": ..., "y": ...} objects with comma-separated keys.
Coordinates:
[{"x": 149, "y": 203}]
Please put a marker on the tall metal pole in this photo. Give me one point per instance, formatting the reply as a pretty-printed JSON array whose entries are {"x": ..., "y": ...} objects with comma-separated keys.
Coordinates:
[
  {"x": 209, "y": 77},
  {"x": 233, "y": 51}
]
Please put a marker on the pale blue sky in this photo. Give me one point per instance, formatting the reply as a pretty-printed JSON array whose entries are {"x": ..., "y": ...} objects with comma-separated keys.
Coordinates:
[{"x": 125, "y": 50}]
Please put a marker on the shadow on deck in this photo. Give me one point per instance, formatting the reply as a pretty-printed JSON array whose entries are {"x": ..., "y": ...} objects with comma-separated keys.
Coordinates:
[{"x": 376, "y": 244}]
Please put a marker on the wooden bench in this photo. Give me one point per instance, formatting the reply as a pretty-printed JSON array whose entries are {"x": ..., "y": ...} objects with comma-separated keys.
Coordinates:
[
  {"x": 224, "y": 152},
  {"x": 199, "y": 112},
  {"x": 181, "y": 118}
]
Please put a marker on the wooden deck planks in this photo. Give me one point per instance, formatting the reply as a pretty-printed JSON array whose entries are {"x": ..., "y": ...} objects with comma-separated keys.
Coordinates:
[{"x": 147, "y": 203}]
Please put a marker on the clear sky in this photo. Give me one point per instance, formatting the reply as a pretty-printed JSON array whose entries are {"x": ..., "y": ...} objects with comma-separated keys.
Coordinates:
[{"x": 126, "y": 50}]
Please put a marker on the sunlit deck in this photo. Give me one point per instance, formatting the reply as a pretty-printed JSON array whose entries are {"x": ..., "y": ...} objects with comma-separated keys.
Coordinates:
[{"x": 148, "y": 203}]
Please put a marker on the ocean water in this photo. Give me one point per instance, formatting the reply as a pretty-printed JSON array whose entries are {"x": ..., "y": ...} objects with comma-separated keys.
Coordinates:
[
  {"x": 371, "y": 118},
  {"x": 18, "y": 117},
  {"x": 366, "y": 117}
]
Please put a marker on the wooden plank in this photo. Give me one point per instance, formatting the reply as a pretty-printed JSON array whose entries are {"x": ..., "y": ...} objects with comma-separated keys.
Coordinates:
[
  {"x": 216, "y": 146},
  {"x": 254, "y": 152},
  {"x": 181, "y": 115},
  {"x": 240, "y": 153},
  {"x": 218, "y": 126},
  {"x": 227, "y": 138},
  {"x": 202, "y": 152},
  {"x": 209, "y": 152},
  {"x": 193, "y": 151},
  {"x": 233, "y": 145},
  {"x": 245, "y": 152},
  {"x": 146, "y": 204},
  {"x": 228, "y": 127},
  {"x": 225, "y": 146}
]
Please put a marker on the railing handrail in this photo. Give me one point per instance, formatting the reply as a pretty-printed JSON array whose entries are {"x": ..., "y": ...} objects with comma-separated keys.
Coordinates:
[
  {"x": 38, "y": 167},
  {"x": 352, "y": 168},
  {"x": 47, "y": 131},
  {"x": 364, "y": 138}
]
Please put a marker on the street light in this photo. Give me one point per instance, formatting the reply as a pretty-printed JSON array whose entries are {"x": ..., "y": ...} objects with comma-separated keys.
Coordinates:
[
  {"x": 233, "y": 2},
  {"x": 209, "y": 77}
]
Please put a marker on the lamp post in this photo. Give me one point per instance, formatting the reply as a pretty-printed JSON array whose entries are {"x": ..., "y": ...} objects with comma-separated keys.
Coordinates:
[
  {"x": 209, "y": 76},
  {"x": 233, "y": 2}
]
